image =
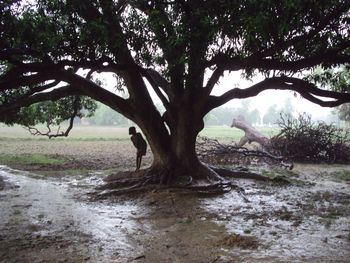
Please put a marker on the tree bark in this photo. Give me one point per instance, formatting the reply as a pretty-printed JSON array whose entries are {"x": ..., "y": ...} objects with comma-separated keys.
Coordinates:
[
  {"x": 174, "y": 148},
  {"x": 251, "y": 134}
]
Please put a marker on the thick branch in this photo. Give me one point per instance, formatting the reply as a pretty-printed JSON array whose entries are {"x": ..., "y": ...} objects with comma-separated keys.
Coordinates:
[
  {"x": 45, "y": 96},
  {"x": 94, "y": 91},
  {"x": 20, "y": 81},
  {"x": 307, "y": 90},
  {"x": 330, "y": 57},
  {"x": 214, "y": 78},
  {"x": 157, "y": 82}
]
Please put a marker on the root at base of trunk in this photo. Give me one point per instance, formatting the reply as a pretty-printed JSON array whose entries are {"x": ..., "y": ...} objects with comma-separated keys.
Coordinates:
[{"x": 212, "y": 182}]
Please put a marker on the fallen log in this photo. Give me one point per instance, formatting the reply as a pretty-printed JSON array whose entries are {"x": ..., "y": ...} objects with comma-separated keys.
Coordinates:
[{"x": 251, "y": 134}]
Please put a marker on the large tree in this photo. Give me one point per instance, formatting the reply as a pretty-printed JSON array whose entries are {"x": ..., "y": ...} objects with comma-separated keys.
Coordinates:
[{"x": 51, "y": 50}]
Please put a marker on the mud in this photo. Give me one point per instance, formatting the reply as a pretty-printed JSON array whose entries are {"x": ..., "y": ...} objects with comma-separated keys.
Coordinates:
[{"x": 51, "y": 219}]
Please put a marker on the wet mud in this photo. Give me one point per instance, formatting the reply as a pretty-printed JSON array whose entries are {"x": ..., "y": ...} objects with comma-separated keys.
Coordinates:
[{"x": 52, "y": 219}]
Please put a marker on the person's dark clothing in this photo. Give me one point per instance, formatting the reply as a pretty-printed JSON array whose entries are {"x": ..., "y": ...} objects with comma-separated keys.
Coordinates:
[{"x": 139, "y": 143}]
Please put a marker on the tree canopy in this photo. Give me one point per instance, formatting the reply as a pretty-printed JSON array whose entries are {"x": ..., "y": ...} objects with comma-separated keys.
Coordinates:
[{"x": 51, "y": 50}]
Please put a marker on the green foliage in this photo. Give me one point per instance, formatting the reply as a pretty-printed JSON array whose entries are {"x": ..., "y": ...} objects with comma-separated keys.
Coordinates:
[
  {"x": 60, "y": 28},
  {"x": 51, "y": 112},
  {"x": 181, "y": 39},
  {"x": 336, "y": 79}
]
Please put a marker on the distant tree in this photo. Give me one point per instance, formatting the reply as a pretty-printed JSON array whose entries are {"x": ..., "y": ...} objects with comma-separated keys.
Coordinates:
[
  {"x": 254, "y": 117},
  {"x": 288, "y": 107},
  {"x": 271, "y": 116},
  {"x": 211, "y": 120},
  {"x": 106, "y": 116}
]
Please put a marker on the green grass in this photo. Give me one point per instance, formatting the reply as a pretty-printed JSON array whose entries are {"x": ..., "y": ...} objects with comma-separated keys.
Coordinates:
[
  {"x": 99, "y": 133},
  {"x": 225, "y": 132},
  {"x": 29, "y": 159},
  {"x": 79, "y": 133},
  {"x": 343, "y": 175}
]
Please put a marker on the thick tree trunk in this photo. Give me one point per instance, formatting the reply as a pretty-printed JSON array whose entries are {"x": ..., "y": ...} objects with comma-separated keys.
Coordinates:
[{"x": 175, "y": 153}]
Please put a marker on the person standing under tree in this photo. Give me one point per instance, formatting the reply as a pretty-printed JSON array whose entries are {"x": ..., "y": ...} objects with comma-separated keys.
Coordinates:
[{"x": 140, "y": 145}]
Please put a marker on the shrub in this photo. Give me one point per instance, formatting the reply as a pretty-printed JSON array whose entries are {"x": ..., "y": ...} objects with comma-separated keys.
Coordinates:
[{"x": 302, "y": 140}]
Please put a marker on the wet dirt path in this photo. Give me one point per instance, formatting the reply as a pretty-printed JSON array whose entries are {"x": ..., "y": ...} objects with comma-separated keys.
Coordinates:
[
  {"x": 51, "y": 220},
  {"x": 48, "y": 221}
]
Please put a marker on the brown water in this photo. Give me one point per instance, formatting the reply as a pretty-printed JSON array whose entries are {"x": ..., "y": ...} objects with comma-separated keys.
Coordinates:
[{"x": 50, "y": 219}]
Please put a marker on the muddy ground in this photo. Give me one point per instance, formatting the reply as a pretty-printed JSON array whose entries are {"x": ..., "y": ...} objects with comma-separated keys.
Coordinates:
[{"x": 47, "y": 216}]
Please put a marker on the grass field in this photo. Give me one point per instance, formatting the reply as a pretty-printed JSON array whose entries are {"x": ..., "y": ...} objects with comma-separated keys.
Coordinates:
[
  {"x": 30, "y": 159},
  {"x": 96, "y": 133},
  {"x": 92, "y": 146},
  {"x": 89, "y": 133},
  {"x": 225, "y": 132}
]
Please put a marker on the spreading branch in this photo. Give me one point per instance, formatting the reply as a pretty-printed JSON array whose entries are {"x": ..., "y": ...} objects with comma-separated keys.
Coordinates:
[
  {"x": 26, "y": 101},
  {"x": 331, "y": 56},
  {"x": 306, "y": 89}
]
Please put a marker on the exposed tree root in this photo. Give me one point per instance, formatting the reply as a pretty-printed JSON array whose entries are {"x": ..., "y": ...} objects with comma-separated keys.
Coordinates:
[
  {"x": 213, "y": 182},
  {"x": 240, "y": 172}
]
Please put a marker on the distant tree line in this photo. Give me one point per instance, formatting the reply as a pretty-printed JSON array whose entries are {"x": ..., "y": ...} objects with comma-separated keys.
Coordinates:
[
  {"x": 224, "y": 115},
  {"x": 105, "y": 116},
  {"x": 221, "y": 116}
]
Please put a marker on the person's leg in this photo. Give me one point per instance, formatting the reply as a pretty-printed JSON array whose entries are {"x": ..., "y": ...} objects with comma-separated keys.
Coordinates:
[{"x": 139, "y": 162}]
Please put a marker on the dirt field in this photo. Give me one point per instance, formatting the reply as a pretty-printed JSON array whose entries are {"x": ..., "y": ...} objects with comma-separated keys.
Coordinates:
[
  {"x": 79, "y": 154},
  {"x": 47, "y": 216}
]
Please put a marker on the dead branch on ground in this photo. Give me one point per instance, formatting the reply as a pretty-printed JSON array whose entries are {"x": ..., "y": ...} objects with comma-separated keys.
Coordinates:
[{"x": 213, "y": 152}]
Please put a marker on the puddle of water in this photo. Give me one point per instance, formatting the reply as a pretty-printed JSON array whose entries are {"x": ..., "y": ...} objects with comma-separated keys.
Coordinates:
[
  {"x": 50, "y": 219},
  {"x": 40, "y": 208},
  {"x": 287, "y": 231}
]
